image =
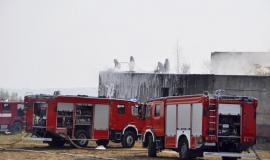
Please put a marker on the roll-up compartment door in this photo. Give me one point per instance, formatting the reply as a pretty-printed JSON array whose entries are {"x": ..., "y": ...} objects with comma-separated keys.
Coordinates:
[
  {"x": 184, "y": 116},
  {"x": 197, "y": 119},
  {"x": 183, "y": 121},
  {"x": 101, "y": 122},
  {"x": 170, "y": 126}
]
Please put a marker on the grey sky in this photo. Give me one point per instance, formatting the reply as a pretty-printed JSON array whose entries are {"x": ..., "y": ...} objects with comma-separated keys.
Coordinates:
[{"x": 65, "y": 43}]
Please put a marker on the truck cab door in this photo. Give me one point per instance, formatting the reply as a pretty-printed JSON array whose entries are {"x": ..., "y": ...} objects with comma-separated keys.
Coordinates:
[
  {"x": 121, "y": 115},
  {"x": 158, "y": 117}
]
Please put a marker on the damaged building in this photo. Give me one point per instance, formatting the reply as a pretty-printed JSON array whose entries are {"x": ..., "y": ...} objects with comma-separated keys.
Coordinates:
[{"x": 143, "y": 86}]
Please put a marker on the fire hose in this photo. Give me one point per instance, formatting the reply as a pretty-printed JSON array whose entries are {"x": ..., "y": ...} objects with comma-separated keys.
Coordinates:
[
  {"x": 71, "y": 141},
  {"x": 256, "y": 154},
  {"x": 15, "y": 142},
  {"x": 74, "y": 144},
  {"x": 46, "y": 152}
]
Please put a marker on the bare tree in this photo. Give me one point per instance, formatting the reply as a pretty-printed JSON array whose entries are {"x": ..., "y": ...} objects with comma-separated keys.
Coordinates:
[{"x": 4, "y": 94}]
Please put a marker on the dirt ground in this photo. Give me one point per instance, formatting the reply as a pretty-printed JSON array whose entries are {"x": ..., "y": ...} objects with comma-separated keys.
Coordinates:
[{"x": 40, "y": 151}]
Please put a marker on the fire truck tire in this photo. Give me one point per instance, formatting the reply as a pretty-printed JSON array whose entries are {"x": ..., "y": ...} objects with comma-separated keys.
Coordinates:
[
  {"x": 152, "y": 152},
  {"x": 56, "y": 143},
  {"x": 103, "y": 142},
  {"x": 183, "y": 150},
  {"x": 16, "y": 127},
  {"x": 128, "y": 139},
  {"x": 81, "y": 134}
]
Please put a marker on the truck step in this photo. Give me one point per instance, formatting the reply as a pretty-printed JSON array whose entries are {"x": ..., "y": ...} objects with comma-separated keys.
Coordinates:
[
  {"x": 229, "y": 154},
  {"x": 36, "y": 139}
]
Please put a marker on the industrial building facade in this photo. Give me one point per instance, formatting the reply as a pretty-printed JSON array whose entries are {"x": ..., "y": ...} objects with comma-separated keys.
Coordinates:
[{"x": 143, "y": 86}]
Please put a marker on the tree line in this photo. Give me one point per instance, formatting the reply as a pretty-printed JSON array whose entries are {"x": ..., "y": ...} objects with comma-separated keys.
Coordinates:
[{"x": 5, "y": 94}]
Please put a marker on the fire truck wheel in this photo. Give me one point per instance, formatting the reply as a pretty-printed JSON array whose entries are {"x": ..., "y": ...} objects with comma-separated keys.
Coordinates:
[
  {"x": 16, "y": 127},
  {"x": 56, "y": 143},
  {"x": 183, "y": 149},
  {"x": 128, "y": 139},
  {"x": 103, "y": 142},
  {"x": 82, "y": 136},
  {"x": 152, "y": 152}
]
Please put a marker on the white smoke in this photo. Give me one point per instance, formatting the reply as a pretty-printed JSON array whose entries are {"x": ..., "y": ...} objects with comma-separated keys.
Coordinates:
[{"x": 240, "y": 63}]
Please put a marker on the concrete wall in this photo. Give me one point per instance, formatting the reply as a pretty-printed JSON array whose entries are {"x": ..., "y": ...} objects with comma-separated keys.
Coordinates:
[{"x": 143, "y": 86}]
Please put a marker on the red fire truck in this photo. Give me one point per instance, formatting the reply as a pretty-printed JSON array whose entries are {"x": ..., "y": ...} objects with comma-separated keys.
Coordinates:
[
  {"x": 195, "y": 124},
  {"x": 12, "y": 118},
  {"x": 60, "y": 119}
]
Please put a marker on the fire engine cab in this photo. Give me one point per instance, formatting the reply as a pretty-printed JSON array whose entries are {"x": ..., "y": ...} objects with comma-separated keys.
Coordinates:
[
  {"x": 59, "y": 119},
  {"x": 12, "y": 117},
  {"x": 195, "y": 124}
]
